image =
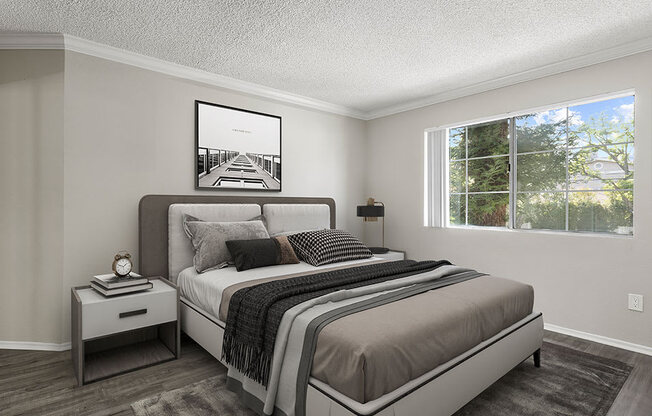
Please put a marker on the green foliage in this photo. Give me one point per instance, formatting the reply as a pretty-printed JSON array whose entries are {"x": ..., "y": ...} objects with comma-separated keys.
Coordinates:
[
  {"x": 599, "y": 138},
  {"x": 489, "y": 139},
  {"x": 488, "y": 209},
  {"x": 489, "y": 175},
  {"x": 587, "y": 211},
  {"x": 541, "y": 211}
]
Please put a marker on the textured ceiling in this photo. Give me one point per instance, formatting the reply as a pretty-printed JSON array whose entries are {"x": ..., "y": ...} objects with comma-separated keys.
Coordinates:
[{"x": 365, "y": 55}]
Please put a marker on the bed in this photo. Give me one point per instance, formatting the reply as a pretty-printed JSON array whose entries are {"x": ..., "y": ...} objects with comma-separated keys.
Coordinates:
[{"x": 443, "y": 346}]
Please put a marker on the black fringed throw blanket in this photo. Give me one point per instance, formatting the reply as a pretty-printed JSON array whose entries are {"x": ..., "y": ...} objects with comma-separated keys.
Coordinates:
[{"x": 255, "y": 312}]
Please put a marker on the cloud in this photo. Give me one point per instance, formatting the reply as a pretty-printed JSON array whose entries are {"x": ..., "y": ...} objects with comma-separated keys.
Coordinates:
[
  {"x": 575, "y": 118},
  {"x": 625, "y": 111},
  {"x": 540, "y": 118},
  {"x": 555, "y": 116}
]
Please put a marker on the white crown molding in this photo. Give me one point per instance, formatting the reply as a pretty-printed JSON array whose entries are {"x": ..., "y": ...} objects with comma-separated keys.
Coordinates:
[
  {"x": 20, "y": 40},
  {"x": 583, "y": 61},
  {"x": 34, "y": 346},
  {"x": 75, "y": 44},
  {"x": 641, "y": 349},
  {"x": 16, "y": 40},
  {"x": 13, "y": 40}
]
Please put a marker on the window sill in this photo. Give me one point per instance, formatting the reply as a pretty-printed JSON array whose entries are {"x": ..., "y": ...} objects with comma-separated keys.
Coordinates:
[{"x": 545, "y": 232}]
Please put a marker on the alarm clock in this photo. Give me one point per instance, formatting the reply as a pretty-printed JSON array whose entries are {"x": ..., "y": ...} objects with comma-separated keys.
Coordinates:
[{"x": 122, "y": 264}]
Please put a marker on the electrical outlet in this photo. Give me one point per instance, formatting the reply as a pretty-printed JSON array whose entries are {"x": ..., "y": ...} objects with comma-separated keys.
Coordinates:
[{"x": 635, "y": 302}]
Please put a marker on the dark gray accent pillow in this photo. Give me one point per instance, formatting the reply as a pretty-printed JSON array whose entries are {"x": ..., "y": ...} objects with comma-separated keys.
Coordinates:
[
  {"x": 250, "y": 254},
  {"x": 209, "y": 240},
  {"x": 328, "y": 246}
]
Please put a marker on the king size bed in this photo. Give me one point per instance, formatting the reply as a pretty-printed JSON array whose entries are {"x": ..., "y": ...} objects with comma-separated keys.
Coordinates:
[{"x": 358, "y": 337}]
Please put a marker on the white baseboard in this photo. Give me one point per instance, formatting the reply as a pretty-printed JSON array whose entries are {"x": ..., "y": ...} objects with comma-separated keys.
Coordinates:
[
  {"x": 37, "y": 346},
  {"x": 629, "y": 346}
]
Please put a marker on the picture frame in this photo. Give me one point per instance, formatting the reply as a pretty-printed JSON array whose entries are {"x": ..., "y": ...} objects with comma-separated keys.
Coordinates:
[{"x": 236, "y": 149}]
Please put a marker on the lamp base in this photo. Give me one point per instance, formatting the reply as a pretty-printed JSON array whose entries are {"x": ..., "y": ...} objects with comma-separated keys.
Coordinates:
[{"x": 378, "y": 250}]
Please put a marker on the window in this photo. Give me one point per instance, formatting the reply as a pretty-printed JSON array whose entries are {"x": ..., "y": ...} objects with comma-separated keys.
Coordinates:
[{"x": 565, "y": 169}]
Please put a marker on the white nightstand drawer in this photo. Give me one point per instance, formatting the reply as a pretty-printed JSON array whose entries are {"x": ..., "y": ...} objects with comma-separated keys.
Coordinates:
[{"x": 123, "y": 313}]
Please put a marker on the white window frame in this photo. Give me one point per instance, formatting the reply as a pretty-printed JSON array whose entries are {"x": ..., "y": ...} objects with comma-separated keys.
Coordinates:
[{"x": 436, "y": 172}]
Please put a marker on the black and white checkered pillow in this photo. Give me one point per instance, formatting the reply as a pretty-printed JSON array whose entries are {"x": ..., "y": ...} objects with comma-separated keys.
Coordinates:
[{"x": 328, "y": 246}]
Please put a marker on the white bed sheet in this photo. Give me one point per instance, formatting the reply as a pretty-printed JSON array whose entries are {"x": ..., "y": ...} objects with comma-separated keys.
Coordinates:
[{"x": 205, "y": 289}]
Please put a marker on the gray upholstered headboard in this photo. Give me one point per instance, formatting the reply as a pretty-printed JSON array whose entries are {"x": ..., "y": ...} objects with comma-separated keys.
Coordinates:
[{"x": 153, "y": 223}]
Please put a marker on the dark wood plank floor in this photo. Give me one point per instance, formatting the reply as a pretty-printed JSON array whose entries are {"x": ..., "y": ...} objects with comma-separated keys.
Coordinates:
[
  {"x": 42, "y": 383},
  {"x": 635, "y": 398}
]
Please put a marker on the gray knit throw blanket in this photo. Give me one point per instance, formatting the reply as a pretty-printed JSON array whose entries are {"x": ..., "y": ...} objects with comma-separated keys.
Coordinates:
[{"x": 255, "y": 312}]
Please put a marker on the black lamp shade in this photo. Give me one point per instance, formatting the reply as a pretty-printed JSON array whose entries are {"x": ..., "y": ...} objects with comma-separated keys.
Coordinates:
[{"x": 371, "y": 211}]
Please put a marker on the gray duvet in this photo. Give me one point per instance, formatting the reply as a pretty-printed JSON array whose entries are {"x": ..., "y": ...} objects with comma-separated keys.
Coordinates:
[{"x": 370, "y": 353}]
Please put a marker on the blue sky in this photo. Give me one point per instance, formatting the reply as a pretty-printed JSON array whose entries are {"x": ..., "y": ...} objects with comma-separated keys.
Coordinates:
[{"x": 619, "y": 108}]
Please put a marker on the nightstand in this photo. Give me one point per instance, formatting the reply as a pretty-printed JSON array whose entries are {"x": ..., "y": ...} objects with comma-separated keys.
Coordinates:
[
  {"x": 114, "y": 335},
  {"x": 392, "y": 255}
]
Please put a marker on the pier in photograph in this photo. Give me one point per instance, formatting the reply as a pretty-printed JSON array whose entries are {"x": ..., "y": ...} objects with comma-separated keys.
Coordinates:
[{"x": 221, "y": 168}]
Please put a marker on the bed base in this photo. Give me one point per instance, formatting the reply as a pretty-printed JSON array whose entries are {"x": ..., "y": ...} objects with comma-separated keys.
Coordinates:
[
  {"x": 204, "y": 329},
  {"x": 444, "y": 390},
  {"x": 440, "y": 392}
]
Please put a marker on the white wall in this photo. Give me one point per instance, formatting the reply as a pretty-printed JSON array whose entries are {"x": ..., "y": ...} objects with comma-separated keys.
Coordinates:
[
  {"x": 581, "y": 282},
  {"x": 31, "y": 197}
]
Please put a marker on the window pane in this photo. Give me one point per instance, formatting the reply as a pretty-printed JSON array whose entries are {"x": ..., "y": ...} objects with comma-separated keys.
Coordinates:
[
  {"x": 541, "y": 211},
  {"x": 597, "y": 168},
  {"x": 457, "y": 176},
  {"x": 541, "y": 131},
  {"x": 487, "y": 175},
  {"x": 541, "y": 171},
  {"x": 457, "y": 214},
  {"x": 601, "y": 212},
  {"x": 602, "y": 123},
  {"x": 489, "y": 139},
  {"x": 456, "y": 143},
  {"x": 489, "y": 209}
]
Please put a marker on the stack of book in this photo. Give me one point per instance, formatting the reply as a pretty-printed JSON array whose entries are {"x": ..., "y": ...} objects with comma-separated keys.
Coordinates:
[{"x": 111, "y": 285}]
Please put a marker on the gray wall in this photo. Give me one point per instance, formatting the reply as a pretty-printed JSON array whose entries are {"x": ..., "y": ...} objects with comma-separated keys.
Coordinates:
[
  {"x": 31, "y": 194},
  {"x": 581, "y": 281},
  {"x": 128, "y": 132},
  {"x": 81, "y": 146}
]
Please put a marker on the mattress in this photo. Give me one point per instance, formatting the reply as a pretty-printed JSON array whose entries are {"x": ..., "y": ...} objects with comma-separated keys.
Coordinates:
[
  {"x": 205, "y": 289},
  {"x": 371, "y": 353}
]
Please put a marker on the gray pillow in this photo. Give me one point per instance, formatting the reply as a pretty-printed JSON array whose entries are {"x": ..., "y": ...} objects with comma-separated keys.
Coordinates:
[
  {"x": 187, "y": 218},
  {"x": 209, "y": 240}
]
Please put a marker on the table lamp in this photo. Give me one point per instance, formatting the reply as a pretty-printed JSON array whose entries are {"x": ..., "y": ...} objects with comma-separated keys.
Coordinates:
[{"x": 371, "y": 212}]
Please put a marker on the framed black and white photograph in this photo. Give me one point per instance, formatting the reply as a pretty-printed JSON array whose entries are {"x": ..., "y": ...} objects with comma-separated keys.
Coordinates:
[{"x": 236, "y": 148}]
